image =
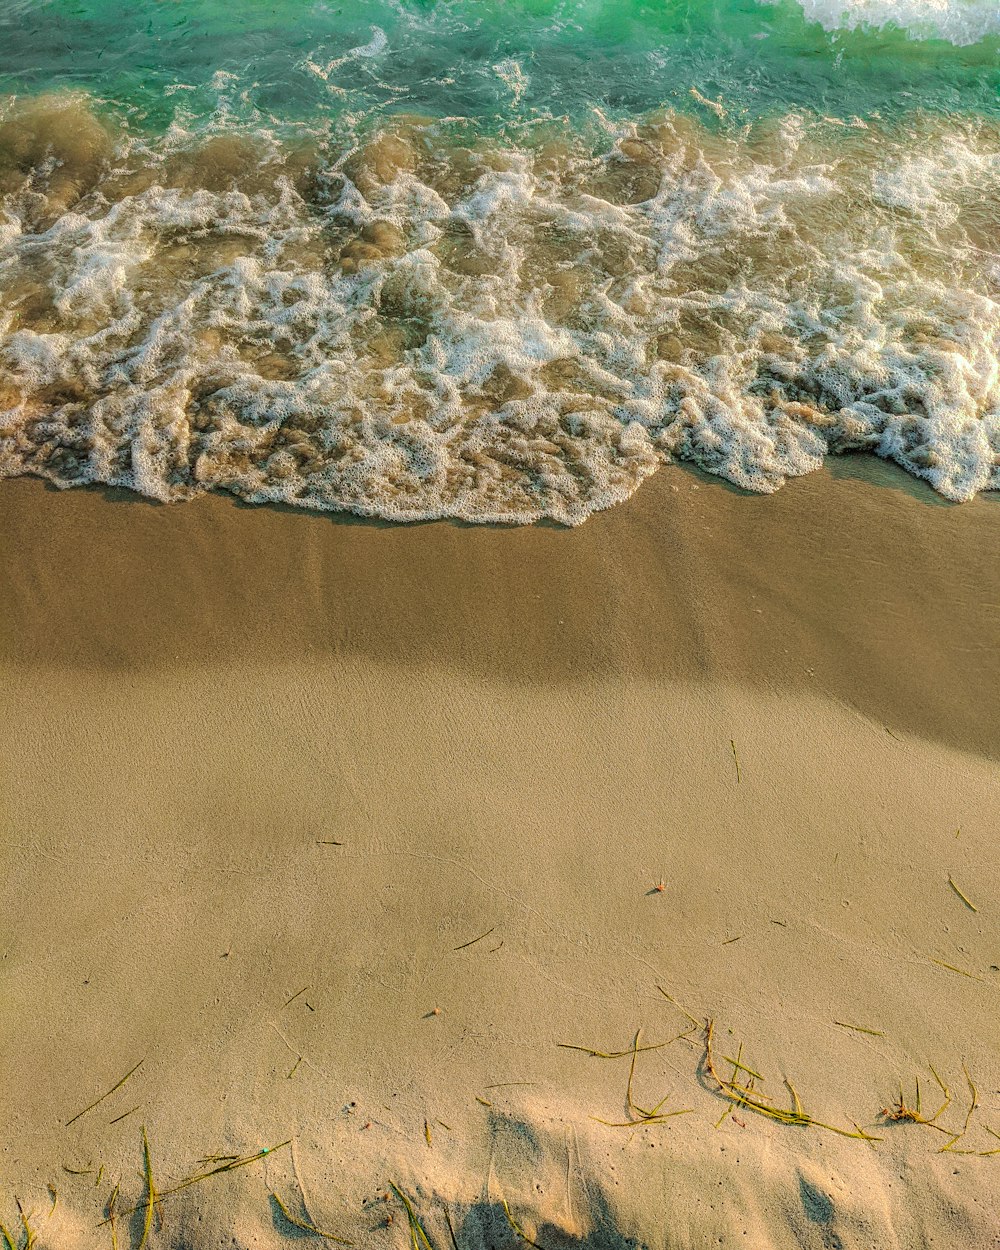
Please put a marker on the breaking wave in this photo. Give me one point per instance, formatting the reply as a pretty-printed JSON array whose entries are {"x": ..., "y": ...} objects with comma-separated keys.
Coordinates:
[
  {"x": 419, "y": 320},
  {"x": 961, "y": 22}
]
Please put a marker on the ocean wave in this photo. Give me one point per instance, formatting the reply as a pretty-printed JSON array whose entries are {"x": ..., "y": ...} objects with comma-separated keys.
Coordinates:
[
  {"x": 425, "y": 322},
  {"x": 961, "y": 22}
]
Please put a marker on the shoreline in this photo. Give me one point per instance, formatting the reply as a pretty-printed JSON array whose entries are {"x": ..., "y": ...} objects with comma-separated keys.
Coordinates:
[{"x": 855, "y": 583}]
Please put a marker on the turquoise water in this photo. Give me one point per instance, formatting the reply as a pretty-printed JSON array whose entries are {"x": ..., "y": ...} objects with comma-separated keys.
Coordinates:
[
  {"x": 294, "y": 60},
  {"x": 492, "y": 260}
]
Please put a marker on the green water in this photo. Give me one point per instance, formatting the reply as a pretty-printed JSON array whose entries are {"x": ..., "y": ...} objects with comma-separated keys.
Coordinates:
[{"x": 297, "y": 61}]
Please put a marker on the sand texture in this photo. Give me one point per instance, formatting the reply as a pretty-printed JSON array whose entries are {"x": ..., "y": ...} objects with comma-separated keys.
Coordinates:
[{"x": 351, "y": 833}]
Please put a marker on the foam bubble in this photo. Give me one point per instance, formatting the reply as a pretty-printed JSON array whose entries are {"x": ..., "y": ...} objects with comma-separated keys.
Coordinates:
[
  {"x": 421, "y": 325},
  {"x": 960, "y": 22}
]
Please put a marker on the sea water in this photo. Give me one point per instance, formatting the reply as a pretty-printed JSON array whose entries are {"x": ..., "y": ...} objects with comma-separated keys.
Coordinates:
[{"x": 496, "y": 259}]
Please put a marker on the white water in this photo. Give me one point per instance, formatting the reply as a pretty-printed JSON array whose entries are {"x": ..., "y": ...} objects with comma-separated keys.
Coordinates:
[
  {"x": 419, "y": 329},
  {"x": 960, "y": 22}
]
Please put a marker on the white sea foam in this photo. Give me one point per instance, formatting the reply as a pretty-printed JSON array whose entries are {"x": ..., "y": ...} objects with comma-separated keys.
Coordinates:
[
  {"x": 416, "y": 327},
  {"x": 378, "y": 44},
  {"x": 960, "y": 22}
]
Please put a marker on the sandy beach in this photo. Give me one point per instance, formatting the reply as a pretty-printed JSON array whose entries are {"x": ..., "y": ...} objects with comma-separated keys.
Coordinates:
[{"x": 358, "y": 837}]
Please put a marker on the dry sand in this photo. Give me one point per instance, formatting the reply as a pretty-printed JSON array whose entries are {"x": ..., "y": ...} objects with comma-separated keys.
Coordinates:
[{"x": 516, "y": 734}]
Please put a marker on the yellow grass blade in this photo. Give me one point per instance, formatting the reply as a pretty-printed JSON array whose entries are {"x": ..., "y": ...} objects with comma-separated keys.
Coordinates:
[
  {"x": 683, "y": 1010},
  {"x": 151, "y": 1196},
  {"x": 975, "y": 1099},
  {"x": 307, "y": 1226},
  {"x": 29, "y": 1232},
  {"x": 951, "y": 968},
  {"x": 646, "y": 1119},
  {"x": 418, "y": 1236},
  {"x": 615, "y": 1054},
  {"x": 965, "y": 899},
  {"x": 231, "y": 1165},
  {"x": 109, "y": 1212},
  {"x": 517, "y": 1229},
  {"x": 744, "y": 1096},
  {"x": 742, "y": 1067}
]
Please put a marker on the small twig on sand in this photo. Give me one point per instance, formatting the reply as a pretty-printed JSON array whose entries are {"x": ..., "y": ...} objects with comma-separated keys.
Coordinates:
[
  {"x": 619, "y": 1054},
  {"x": 118, "y": 1084},
  {"x": 474, "y": 940},
  {"x": 451, "y": 1228},
  {"x": 857, "y": 1028}
]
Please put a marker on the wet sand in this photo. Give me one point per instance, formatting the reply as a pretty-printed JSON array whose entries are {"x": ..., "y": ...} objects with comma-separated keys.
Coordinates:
[
  {"x": 857, "y": 584},
  {"x": 781, "y": 709}
]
